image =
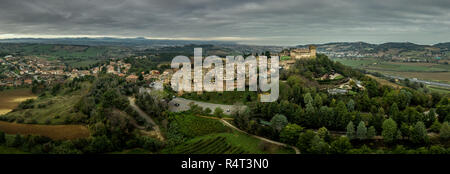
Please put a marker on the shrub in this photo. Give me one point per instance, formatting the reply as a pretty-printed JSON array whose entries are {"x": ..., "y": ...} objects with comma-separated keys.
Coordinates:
[
  {"x": 218, "y": 112},
  {"x": 207, "y": 111}
]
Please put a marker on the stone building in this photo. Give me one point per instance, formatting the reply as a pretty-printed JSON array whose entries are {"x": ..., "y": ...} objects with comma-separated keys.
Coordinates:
[{"x": 300, "y": 53}]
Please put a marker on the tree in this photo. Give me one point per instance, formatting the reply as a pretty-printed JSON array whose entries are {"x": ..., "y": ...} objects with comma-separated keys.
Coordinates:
[
  {"x": 2, "y": 137},
  {"x": 430, "y": 118},
  {"x": 304, "y": 141},
  {"x": 324, "y": 133},
  {"x": 350, "y": 130},
  {"x": 207, "y": 111},
  {"x": 341, "y": 145},
  {"x": 319, "y": 146},
  {"x": 218, "y": 112},
  {"x": 361, "y": 132},
  {"x": 17, "y": 141},
  {"x": 101, "y": 144},
  {"x": 371, "y": 132},
  {"x": 310, "y": 115},
  {"x": 290, "y": 133},
  {"x": 436, "y": 126},
  {"x": 406, "y": 129},
  {"x": 342, "y": 116},
  {"x": 394, "y": 112},
  {"x": 307, "y": 98},
  {"x": 278, "y": 122},
  {"x": 444, "y": 133},
  {"x": 242, "y": 119},
  {"x": 351, "y": 105},
  {"x": 389, "y": 132},
  {"x": 419, "y": 134},
  {"x": 318, "y": 100}
]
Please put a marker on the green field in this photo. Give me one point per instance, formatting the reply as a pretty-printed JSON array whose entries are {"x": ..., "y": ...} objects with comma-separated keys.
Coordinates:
[
  {"x": 355, "y": 63},
  {"x": 81, "y": 63},
  {"x": 285, "y": 58},
  {"x": 439, "y": 89},
  {"x": 193, "y": 126},
  {"x": 426, "y": 71},
  {"x": 381, "y": 65}
]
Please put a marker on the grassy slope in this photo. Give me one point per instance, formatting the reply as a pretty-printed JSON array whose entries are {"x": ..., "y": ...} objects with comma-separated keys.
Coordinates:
[
  {"x": 204, "y": 129},
  {"x": 234, "y": 142},
  {"x": 57, "y": 109},
  {"x": 192, "y": 126}
]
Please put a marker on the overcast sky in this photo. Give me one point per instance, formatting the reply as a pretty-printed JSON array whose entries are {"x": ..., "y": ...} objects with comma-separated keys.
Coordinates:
[{"x": 263, "y": 22}]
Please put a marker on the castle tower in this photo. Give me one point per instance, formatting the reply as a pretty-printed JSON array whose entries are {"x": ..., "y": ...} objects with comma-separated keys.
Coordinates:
[{"x": 312, "y": 51}]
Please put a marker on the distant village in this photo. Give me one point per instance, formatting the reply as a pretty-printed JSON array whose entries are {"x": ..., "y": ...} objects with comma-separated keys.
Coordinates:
[{"x": 22, "y": 71}]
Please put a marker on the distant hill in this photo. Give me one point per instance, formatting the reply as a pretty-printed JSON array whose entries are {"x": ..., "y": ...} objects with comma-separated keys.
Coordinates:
[
  {"x": 397, "y": 50},
  {"x": 108, "y": 41},
  {"x": 444, "y": 46}
]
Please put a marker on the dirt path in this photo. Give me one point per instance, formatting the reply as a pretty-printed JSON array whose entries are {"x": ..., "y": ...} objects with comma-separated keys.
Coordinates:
[{"x": 147, "y": 118}]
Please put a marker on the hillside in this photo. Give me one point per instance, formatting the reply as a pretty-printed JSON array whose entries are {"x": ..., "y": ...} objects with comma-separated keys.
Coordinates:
[{"x": 390, "y": 50}]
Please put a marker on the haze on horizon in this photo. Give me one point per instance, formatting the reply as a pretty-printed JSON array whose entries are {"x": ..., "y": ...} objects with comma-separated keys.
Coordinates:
[{"x": 261, "y": 22}]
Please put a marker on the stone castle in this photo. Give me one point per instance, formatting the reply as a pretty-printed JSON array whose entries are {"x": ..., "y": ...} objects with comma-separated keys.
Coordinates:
[{"x": 300, "y": 53}]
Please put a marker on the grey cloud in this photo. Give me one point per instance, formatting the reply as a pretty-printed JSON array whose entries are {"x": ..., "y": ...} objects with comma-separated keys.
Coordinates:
[{"x": 284, "y": 22}]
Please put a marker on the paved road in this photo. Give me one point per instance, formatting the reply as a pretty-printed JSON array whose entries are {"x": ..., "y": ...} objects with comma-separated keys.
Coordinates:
[
  {"x": 184, "y": 105},
  {"x": 147, "y": 118},
  {"x": 421, "y": 81}
]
